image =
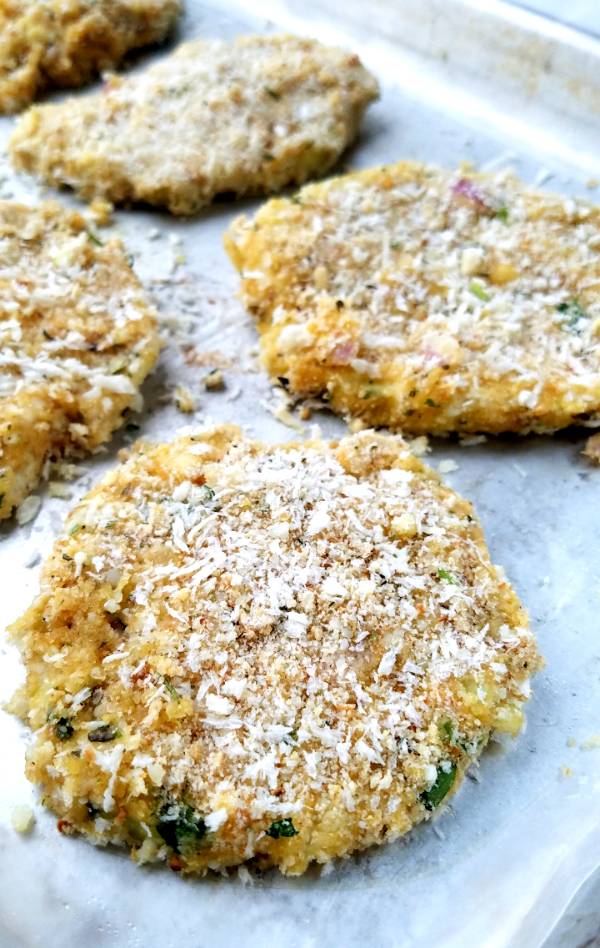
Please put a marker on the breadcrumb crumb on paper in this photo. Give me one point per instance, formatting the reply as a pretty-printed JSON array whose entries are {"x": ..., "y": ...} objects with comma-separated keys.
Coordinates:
[
  {"x": 592, "y": 449},
  {"x": 22, "y": 819}
]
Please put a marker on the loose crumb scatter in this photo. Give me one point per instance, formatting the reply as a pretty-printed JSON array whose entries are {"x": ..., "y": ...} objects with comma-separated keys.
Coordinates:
[
  {"x": 592, "y": 743},
  {"x": 571, "y": 742},
  {"x": 447, "y": 466},
  {"x": 214, "y": 381},
  {"x": 77, "y": 338},
  {"x": 283, "y": 653},
  {"x": 53, "y": 43},
  {"x": 185, "y": 400},
  {"x": 592, "y": 449},
  {"x": 566, "y": 771},
  {"x": 22, "y": 819},
  {"x": 428, "y": 300},
  {"x": 28, "y": 509},
  {"x": 248, "y": 116}
]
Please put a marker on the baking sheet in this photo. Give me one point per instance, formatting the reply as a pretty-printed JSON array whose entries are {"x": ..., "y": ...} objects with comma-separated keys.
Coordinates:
[{"x": 500, "y": 867}]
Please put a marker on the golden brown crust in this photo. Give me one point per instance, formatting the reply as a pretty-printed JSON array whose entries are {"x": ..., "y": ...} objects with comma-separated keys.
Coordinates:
[
  {"x": 58, "y": 43},
  {"x": 286, "y": 652},
  {"x": 77, "y": 339},
  {"x": 429, "y": 301},
  {"x": 247, "y": 117}
]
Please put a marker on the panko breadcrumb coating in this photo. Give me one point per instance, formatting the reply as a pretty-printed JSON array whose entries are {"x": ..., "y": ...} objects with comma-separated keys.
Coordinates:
[
  {"x": 284, "y": 653},
  {"x": 45, "y": 43},
  {"x": 428, "y": 300},
  {"x": 77, "y": 339},
  {"x": 243, "y": 117}
]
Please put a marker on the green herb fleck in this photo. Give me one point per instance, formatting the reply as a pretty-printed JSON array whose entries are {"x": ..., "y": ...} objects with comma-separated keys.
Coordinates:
[
  {"x": 95, "y": 240},
  {"x": 446, "y": 729},
  {"x": 75, "y": 529},
  {"x": 181, "y": 827},
  {"x": 502, "y": 214},
  {"x": 103, "y": 733},
  {"x": 478, "y": 290},
  {"x": 292, "y": 737},
  {"x": 267, "y": 156},
  {"x": 440, "y": 789},
  {"x": 395, "y": 245},
  {"x": 431, "y": 403},
  {"x": 448, "y": 577},
  {"x": 296, "y": 200},
  {"x": 206, "y": 494},
  {"x": 272, "y": 93},
  {"x": 171, "y": 688},
  {"x": 63, "y": 729},
  {"x": 282, "y": 828},
  {"x": 573, "y": 311}
]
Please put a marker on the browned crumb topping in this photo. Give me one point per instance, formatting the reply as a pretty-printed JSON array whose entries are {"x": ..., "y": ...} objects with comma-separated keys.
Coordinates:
[{"x": 288, "y": 652}]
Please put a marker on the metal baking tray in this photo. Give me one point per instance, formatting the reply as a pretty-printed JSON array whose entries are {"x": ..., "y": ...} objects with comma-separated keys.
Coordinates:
[{"x": 461, "y": 80}]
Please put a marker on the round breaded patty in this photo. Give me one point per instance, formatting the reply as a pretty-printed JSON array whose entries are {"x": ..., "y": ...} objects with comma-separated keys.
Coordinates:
[
  {"x": 248, "y": 116},
  {"x": 429, "y": 301},
  {"x": 286, "y": 652},
  {"x": 77, "y": 339},
  {"x": 46, "y": 43}
]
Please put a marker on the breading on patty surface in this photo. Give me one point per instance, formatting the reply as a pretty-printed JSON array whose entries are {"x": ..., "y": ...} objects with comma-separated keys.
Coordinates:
[
  {"x": 77, "y": 339},
  {"x": 248, "y": 116},
  {"x": 288, "y": 652},
  {"x": 45, "y": 43},
  {"x": 428, "y": 300}
]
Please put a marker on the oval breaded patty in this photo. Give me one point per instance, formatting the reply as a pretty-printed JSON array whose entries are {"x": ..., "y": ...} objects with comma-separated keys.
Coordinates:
[
  {"x": 288, "y": 652},
  {"x": 77, "y": 339},
  {"x": 46, "y": 43},
  {"x": 248, "y": 116},
  {"x": 428, "y": 300}
]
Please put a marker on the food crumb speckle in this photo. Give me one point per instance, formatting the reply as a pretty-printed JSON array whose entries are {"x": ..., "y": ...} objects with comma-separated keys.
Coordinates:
[
  {"x": 22, "y": 819},
  {"x": 447, "y": 466}
]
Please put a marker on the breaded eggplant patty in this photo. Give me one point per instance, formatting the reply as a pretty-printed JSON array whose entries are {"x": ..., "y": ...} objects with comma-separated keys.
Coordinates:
[
  {"x": 45, "y": 43},
  {"x": 284, "y": 653},
  {"x": 77, "y": 338},
  {"x": 429, "y": 301},
  {"x": 242, "y": 117}
]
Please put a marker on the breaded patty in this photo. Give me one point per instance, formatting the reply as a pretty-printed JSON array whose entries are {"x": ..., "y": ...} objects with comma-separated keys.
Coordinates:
[
  {"x": 248, "y": 116},
  {"x": 77, "y": 339},
  {"x": 287, "y": 652},
  {"x": 46, "y": 43},
  {"x": 429, "y": 301}
]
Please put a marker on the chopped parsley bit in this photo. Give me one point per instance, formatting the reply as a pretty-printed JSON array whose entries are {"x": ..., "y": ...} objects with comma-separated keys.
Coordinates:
[
  {"x": 75, "y": 529},
  {"x": 395, "y": 245},
  {"x": 502, "y": 214},
  {"x": 446, "y": 729},
  {"x": 272, "y": 93},
  {"x": 296, "y": 200},
  {"x": 448, "y": 577},
  {"x": 282, "y": 828},
  {"x": 478, "y": 290},
  {"x": 106, "y": 732},
  {"x": 573, "y": 311},
  {"x": 63, "y": 729},
  {"x": 181, "y": 827},
  {"x": 66, "y": 557},
  {"x": 95, "y": 240},
  {"x": 268, "y": 156},
  {"x": 208, "y": 494},
  {"x": 171, "y": 688},
  {"x": 431, "y": 403},
  {"x": 440, "y": 789},
  {"x": 291, "y": 738}
]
